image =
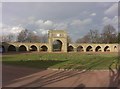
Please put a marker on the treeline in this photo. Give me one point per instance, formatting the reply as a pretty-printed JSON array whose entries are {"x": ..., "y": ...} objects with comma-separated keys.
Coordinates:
[
  {"x": 107, "y": 35},
  {"x": 25, "y": 36}
]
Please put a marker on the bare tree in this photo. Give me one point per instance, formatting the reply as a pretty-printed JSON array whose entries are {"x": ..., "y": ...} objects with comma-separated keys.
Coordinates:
[
  {"x": 28, "y": 36},
  {"x": 22, "y": 36},
  {"x": 69, "y": 40},
  {"x": 8, "y": 38},
  {"x": 109, "y": 34},
  {"x": 44, "y": 38},
  {"x": 84, "y": 39},
  {"x": 118, "y": 37},
  {"x": 91, "y": 37}
]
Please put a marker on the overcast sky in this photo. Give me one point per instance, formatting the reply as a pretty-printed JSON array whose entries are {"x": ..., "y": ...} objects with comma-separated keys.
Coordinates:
[{"x": 76, "y": 18}]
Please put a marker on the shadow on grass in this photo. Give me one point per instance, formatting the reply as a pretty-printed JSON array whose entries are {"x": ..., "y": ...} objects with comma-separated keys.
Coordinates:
[
  {"x": 57, "y": 76},
  {"x": 42, "y": 64}
]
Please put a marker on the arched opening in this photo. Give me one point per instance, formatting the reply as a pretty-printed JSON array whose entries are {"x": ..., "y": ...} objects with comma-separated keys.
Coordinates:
[
  {"x": 70, "y": 49},
  {"x": 44, "y": 48},
  {"x": 22, "y": 48},
  {"x": 115, "y": 48},
  {"x": 3, "y": 49},
  {"x": 89, "y": 49},
  {"x": 80, "y": 49},
  {"x": 98, "y": 49},
  {"x": 33, "y": 48},
  {"x": 57, "y": 45},
  {"x": 107, "y": 49},
  {"x": 11, "y": 48}
]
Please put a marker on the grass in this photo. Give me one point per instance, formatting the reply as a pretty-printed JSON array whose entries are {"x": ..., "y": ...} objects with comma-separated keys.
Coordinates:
[{"x": 60, "y": 60}]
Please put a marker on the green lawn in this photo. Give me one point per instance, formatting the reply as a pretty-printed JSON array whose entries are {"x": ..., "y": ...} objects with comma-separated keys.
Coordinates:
[{"x": 60, "y": 60}]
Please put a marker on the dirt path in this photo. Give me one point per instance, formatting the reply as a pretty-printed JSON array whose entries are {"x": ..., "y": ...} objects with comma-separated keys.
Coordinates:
[{"x": 28, "y": 77}]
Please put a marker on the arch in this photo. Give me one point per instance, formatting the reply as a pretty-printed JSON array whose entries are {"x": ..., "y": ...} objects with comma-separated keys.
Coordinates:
[
  {"x": 70, "y": 48},
  {"x": 57, "y": 45},
  {"x": 44, "y": 48},
  {"x": 89, "y": 48},
  {"x": 11, "y": 48},
  {"x": 33, "y": 48},
  {"x": 3, "y": 49},
  {"x": 98, "y": 49},
  {"x": 115, "y": 48},
  {"x": 22, "y": 48},
  {"x": 80, "y": 49},
  {"x": 107, "y": 49}
]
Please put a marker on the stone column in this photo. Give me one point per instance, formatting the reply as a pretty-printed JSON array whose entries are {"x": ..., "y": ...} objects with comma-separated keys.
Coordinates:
[
  {"x": 75, "y": 49},
  {"x": 17, "y": 49}
]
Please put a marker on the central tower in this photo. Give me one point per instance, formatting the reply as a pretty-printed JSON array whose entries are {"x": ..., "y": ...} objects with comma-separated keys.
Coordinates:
[{"x": 57, "y": 36}]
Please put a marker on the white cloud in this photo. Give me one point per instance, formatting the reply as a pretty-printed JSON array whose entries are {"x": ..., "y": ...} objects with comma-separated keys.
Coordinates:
[
  {"x": 11, "y": 29},
  {"x": 48, "y": 23},
  {"x": 16, "y": 30},
  {"x": 43, "y": 31},
  {"x": 113, "y": 10},
  {"x": 113, "y": 21},
  {"x": 93, "y": 14},
  {"x": 31, "y": 20},
  {"x": 41, "y": 27},
  {"x": 34, "y": 32},
  {"x": 39, "y": 22},
  {"x": 81, "y": 22},
  {"x": 44, "y": 26},
  {"x": 61, "y": 26}
]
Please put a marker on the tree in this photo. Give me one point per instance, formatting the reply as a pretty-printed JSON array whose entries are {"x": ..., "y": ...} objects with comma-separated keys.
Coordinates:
[
  {"x": 109, "y": 34},
  {"x": 118, "y": 37},
  {"x": 22, "y": 36},
  {"x": 28, "y": 36},
  {"x": 8, "y": 38},
  {"x": 84, "y": 39},
  {"x": 44, "y": 38},
  {"x": 91, "y": 37},
  {"x": 69, "y": 40}
]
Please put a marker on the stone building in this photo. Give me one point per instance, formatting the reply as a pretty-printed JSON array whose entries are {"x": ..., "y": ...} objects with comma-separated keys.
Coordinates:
[{"x": 57, "y": 42}]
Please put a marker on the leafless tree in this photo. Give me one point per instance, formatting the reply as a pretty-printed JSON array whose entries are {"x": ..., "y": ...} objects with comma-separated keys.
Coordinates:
[
  {"x": 91, "y": 37},
  {"x": 28, "y": 36},
  {"x": 8, "y": 38},
  {"x": 22, "y": 36},
  {"x": 109, "y": 34},
  {"x": 69, "y": 40},
  {"x": 44, "y": 38}
]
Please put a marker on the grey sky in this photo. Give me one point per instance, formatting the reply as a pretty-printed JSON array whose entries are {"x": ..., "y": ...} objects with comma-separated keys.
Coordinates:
[{"x": 77, "y": 18}]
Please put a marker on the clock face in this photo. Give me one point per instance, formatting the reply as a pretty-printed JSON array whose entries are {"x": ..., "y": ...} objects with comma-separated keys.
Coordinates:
[{"x": 58, "y": 35}]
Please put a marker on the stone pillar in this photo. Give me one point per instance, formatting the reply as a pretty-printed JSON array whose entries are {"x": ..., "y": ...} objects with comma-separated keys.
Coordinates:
[
  {"x": 38, "y": 49},
  {"x": 64, "y": 47},
  {"x": 50, "y": 48},
  {"x": 93, "y": 49},
  {"x": 75, "y": 49},
  {"x": 17, "y": 49},
  {"x": 102, "y": 49},
  {"x": 27, "y": 47}
]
